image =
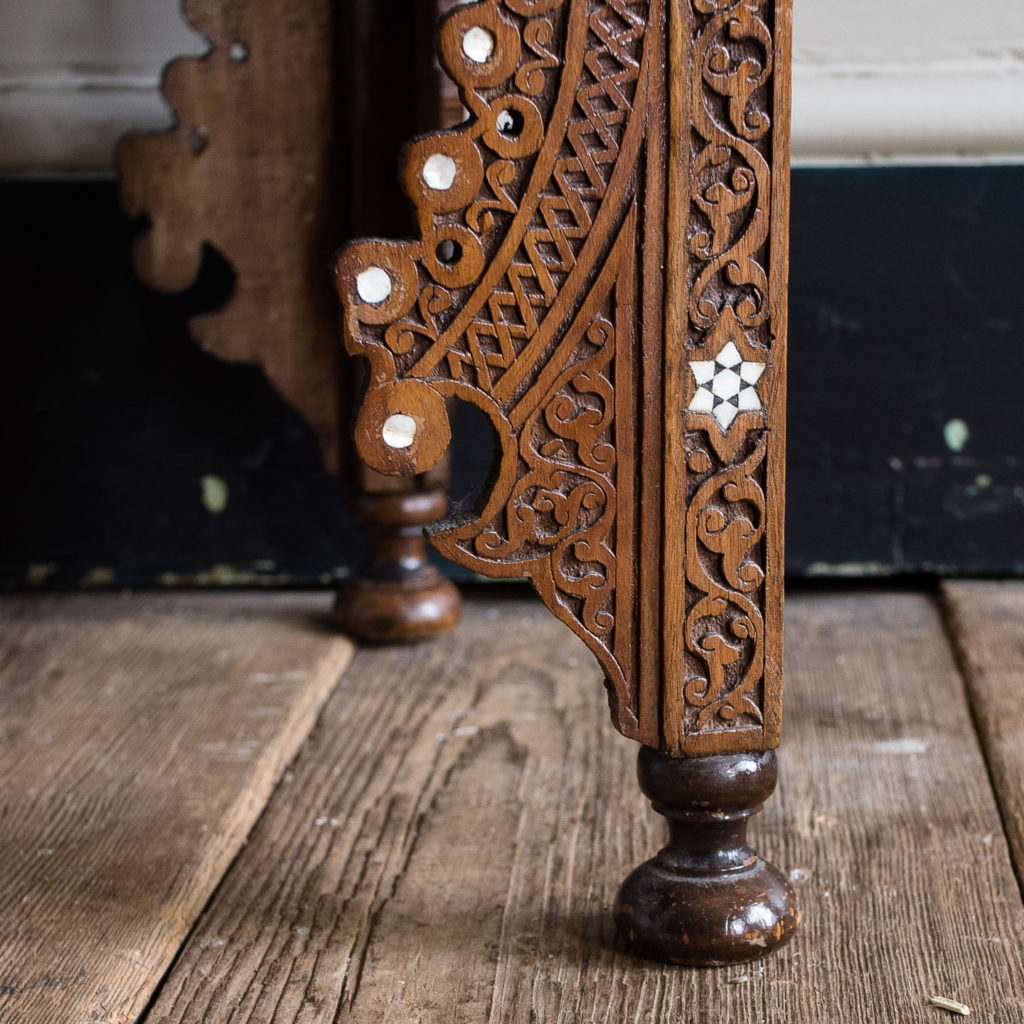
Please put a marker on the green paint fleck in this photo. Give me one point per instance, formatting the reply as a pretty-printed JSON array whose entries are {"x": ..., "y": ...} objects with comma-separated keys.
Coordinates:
[
  {"x": 101, "y": 576},
  {"x": 36, "y": 574},
  {"x": 982, "y": 482},
  {"x": 228, "y": 576},
  {"x": 215, "y": 493},
  {"x": 850, "y": 570},
  {"x": 956, "y": 435},
  {"x": 225, "y": 575}
]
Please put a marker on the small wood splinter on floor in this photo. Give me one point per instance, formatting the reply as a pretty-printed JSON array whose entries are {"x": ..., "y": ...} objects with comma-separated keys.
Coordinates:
[{"x": 950, "y": 1004}]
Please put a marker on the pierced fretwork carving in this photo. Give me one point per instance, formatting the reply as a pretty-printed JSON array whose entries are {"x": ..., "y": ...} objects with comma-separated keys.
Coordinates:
[{"x": 600, "y": 269}]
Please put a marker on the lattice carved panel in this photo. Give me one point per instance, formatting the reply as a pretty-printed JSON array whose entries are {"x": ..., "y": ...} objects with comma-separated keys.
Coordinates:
[{"x": 601, "y": 270}]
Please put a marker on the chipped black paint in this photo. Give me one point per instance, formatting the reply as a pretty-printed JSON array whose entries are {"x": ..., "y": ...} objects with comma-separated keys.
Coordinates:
[{"x": 906, "y": 288}]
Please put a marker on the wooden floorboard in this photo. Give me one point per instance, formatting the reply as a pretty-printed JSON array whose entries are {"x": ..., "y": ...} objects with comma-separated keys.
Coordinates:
[
  {"x": 448, "y": 844},
  {"x": 987, "y": 624},
  {"x": 142, "y": 737}
]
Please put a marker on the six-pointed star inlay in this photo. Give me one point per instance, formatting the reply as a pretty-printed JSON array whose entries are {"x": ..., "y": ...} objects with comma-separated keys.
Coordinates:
[{"x": 726, "y": 386}]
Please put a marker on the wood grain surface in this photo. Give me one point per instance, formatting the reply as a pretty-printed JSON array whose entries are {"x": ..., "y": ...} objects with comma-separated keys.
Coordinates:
[
  {"x": 142, "y": 738},
  {"x": 447, "y": 846},
  {"x": 987, "y": 625}
]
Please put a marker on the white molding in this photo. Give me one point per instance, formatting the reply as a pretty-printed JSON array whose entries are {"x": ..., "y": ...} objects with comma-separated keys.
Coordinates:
[
  {"x": 892, "y": 113},
  {"x": 76, "y": 74},
  {"x": 852, "y": 113},
  {"x": 71, "y": 124}
]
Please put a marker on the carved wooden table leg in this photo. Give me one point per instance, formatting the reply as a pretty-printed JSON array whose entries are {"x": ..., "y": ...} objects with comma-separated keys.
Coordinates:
[
  {"x": 396, "y": 595},
  {"x": 251, "y": 168},
  {"x": 602, "y": 270}
]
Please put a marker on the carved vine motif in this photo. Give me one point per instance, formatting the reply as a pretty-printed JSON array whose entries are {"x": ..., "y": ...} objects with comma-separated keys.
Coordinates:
[
  {"x": 728, "y": 306},
  {"x": 556, "y": 525},
  {"x": 535, "y": 292},
  {"x": 731, "y": 170},
  {"x": 513, "y": 298},
  {"x": 725, "y": 525}
]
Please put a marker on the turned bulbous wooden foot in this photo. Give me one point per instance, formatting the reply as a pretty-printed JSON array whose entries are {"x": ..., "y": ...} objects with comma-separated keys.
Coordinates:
[
  {"x": 707, "y": 898},
  {"x": 398, "y": 596}
]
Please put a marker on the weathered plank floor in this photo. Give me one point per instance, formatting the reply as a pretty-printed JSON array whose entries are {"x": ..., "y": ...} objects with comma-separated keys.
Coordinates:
[
  {"x": 142, "y": 739},
  {"x": 445, "y": 844}
]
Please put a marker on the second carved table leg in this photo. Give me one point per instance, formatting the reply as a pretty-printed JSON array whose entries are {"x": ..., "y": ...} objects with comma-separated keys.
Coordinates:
[{"x": 397, "y": 595}]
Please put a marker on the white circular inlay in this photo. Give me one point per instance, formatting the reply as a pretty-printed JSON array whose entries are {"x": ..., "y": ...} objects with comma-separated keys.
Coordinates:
[
  {"x": 399, "y": 430},
  {"x": 478, "y": 44},
  {"x": 373, "y": 285},
  {"x": 439, "y": 172}
]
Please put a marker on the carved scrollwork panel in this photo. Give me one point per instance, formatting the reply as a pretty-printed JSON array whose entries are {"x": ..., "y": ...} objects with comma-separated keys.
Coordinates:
[
  {"x": 537, "y": 290},
  {"x": 733, "y": 408},
  {"x": 518, "y": 294}
]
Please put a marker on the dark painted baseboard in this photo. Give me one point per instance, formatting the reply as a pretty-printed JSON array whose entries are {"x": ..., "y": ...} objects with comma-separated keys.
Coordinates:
[
  {"x": 907, "y": 345},
  {"x": 134, "y": 459}
]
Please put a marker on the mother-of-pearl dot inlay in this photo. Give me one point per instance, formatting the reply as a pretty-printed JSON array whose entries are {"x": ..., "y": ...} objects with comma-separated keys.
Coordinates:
[
  {"x": 399, "y": 430},
  {"x": 373, "y": 285},
  {"x": 478, "y": 44},
  {"x": 439, "y": 172},
  {"x": 727, "y": 385}
]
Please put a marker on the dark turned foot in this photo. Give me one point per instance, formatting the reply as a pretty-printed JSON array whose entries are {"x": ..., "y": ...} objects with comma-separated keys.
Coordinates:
[
  {"x": 706, "y": 898},
  {"x": 398, "y": 596}
]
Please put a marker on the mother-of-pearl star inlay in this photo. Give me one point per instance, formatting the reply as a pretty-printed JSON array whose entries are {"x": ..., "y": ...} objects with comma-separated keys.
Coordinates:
[{"x": 726, "y": 386}]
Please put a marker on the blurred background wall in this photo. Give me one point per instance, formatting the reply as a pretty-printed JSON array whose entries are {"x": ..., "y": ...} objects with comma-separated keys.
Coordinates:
[
  {"x": 913, "y": 81},
  {"x": 135, "y": 458}
]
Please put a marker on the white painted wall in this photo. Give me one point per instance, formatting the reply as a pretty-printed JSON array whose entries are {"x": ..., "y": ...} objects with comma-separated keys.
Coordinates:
[
  {"x": 912, "y": 80},
  {"x": 75, "y": 74},
  {"x": 904, "y": 80}
]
